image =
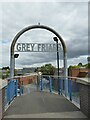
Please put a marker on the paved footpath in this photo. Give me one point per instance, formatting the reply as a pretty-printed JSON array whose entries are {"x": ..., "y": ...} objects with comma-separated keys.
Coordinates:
[{"x": 42, "y": 105}]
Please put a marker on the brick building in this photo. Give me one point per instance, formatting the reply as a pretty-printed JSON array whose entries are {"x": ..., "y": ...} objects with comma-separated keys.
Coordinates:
[
  {"x": 28, "y": 79},
  {"x": 79, "y": 72}
]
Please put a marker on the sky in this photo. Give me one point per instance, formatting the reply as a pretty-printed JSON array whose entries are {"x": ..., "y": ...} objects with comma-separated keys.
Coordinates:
[{"x": 69, "y": 19}]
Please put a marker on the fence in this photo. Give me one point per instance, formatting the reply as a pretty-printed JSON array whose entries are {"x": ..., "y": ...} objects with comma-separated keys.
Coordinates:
[
  {"x": 77, "y": 92},
  {"x": 56, "y": 85},
  {"x": 77, "y": 89},
  {"x": 11, "y": 91}
]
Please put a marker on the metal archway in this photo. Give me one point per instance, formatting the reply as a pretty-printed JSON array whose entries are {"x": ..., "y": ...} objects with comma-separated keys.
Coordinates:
[{"x": 36, "y": 27}]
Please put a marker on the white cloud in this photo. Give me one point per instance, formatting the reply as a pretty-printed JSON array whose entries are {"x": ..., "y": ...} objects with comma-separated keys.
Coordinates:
[{"x": 68, "y": 19}]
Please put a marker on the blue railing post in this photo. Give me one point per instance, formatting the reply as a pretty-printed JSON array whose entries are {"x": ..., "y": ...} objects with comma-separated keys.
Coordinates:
[
  {"x": 16, "y": 87},
  {"x": 50, "y": 81},
  {"x": 9, "y": 87},
  {"x": 41, "y": 83},
  {"x": 66, "y": 86},
  {"x": 8, "y": 92},
  {"x": 70, "y": 89},
  {"x": 11, "y": 90},
  {"x": 60, "y": 87}
]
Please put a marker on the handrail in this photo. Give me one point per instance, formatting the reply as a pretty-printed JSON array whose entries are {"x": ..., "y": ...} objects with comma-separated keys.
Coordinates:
[
  {"x": 85, "y": 81},
  {"x": 76, "y": 79},
  {"x": 22, "y": 76}
]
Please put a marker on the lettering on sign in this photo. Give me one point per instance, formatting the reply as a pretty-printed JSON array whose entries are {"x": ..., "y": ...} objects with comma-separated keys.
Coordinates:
[{"x": 37, "y": 47}]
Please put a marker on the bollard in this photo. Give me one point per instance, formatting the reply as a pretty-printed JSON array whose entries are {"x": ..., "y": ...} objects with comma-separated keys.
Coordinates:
[{"x": 50, "y": 81}]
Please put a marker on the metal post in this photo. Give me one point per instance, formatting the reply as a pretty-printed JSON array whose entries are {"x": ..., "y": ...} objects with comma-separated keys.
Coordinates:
[
  {"x": 41, "y": 83},
  {"x": 8, "y": 92},
  {"x": 12, "y": 65},
  {"x": 16, "y": 88},
  {"x": 56, "y": 40},
  {"x": 65, "y": 74},
  {"x": 70, "y": 89},
  {"x": 13, "y": 88},
  {"x": 50, "y": 81},
  {"x": 20, "y": 90},
  {"x": 60, "y": 90},
  {"x": 58, "y": 67}
]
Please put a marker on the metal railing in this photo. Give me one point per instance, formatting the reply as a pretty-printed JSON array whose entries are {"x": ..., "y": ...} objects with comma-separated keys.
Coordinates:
[
  {"x": 11, "y": 91},
  {"x": 48, "y": 83}
]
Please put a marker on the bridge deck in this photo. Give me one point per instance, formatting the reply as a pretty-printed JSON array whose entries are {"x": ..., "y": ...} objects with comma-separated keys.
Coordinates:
[{"x": 42, "y": 105}]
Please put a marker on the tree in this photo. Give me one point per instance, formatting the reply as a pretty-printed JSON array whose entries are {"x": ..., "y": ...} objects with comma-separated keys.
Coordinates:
[
  {"x": 75, "y": 66},
  {"x": 37, "y": 69},
  {"x": 47, "y": 69},
  {"x": 6, "y": 68},
  {"x": 80, "y": 64},
  {"x": 88, "y": 65}
]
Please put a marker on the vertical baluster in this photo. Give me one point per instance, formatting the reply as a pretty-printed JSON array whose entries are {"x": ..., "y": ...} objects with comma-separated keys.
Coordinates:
[
  {"x": 6, "y": 95},
  {"x": 60, "y": 88},
  {"x": 13, "y": 89},
  {"x": 41, "y": 83},
  {"x": 50, "y": 81},
  {"x": 70, "y": 89},
  {"x": 16, "y": 87},
  {"x": 8, "y": 92},
  {"x": 20, "y": 90}
]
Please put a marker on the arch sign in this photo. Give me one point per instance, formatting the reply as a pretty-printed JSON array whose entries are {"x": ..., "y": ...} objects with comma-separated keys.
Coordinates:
[
  {"x": 37, "y": 47},
  {"x": 40, "y": 47}
]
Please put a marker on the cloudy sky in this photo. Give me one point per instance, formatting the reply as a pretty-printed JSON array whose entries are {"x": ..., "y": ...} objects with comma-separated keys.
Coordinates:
[{"x": 69, "y": 19}]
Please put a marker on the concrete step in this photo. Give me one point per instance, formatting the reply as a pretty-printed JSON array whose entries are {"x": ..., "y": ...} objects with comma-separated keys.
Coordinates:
[{"x": 73, "y": 114}]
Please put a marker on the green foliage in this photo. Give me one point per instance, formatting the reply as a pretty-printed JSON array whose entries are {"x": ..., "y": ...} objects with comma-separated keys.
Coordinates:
[
  {"x": 47, "y": 69},
  {"x": 88, "y": 65},
  {"x": 37, "y": 70},
  {"x": 15, "y": 72},
  {"x": 75, "y": 66},
  {"x": 5, "y": 73},
  {"x": 6, "y": 68},
  {"x": 80, "y": 65}
]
